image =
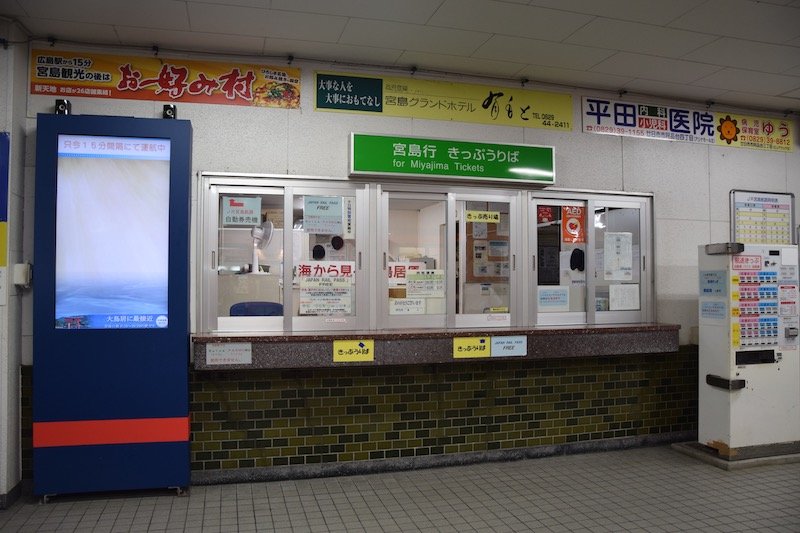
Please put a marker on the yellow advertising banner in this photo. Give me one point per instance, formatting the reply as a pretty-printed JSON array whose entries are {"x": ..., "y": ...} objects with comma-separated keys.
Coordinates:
[
  {"x": 441, "y": 100},
  {"x": 747, "y": 131},
  {"x": 87, "y": 74}
]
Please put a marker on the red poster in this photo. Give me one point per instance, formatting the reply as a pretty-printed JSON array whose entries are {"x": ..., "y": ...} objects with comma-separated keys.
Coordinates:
[
  {"x": 544, "y": 213},
  {"x": 573, "y": 224}
]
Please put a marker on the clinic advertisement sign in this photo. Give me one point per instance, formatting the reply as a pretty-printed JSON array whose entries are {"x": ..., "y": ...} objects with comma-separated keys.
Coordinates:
[
  {"x": 443, "y": 100},
  {"x": 87, "y": 74},
  {"x": 676, "y": 123}
]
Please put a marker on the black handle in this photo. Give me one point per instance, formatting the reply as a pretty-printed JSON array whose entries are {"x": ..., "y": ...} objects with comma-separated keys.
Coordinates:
[{"x": 722, "y": 383}]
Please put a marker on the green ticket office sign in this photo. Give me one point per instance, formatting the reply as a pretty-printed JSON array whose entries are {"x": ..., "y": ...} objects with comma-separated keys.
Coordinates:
[{"x": 384, "y": 155}]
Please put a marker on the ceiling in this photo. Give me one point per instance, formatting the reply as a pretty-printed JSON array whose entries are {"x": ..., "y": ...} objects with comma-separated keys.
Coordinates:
[{"x": 743, "y": 53}]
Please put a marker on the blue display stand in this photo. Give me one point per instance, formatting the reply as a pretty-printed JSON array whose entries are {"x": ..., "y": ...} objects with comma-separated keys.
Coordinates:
[
  {"x": 4, "y": 166},
  {"x": 111, "y": 304}
]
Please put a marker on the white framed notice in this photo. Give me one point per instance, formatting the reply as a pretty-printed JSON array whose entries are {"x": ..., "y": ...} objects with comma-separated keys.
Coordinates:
[{"x": 759, "y": 217}]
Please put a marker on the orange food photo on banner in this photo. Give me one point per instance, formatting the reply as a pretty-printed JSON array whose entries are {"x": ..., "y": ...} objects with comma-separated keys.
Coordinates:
[{"x": 274, "y": 94}]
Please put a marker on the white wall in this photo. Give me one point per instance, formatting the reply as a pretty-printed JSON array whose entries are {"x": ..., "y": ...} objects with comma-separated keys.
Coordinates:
[
  {"x": 13, "y": 81},
  {"x": 403, "y": 231},
  {"x": 690, "y": 182}
]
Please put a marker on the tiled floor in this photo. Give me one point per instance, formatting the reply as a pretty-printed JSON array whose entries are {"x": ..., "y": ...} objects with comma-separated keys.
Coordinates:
[{"x": 642, "y": 489}]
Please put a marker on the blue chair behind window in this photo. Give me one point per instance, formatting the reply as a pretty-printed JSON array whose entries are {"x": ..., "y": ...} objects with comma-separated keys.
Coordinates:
[{"x": 257, "y": 309}]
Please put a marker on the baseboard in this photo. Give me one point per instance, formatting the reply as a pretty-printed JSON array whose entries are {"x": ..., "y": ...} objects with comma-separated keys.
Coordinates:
[
  {"x": 8, "y": 499},
  {"x": 277, "y": 473}
]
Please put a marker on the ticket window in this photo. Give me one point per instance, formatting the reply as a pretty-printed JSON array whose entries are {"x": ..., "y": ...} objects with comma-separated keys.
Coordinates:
[
  {"x": 248, "y": 259},
  {"x": 413, "y": 277},
  {"x": 620, "y": 284},
  {"x": 280, "y": 256},
  {"x": 558, "y": 238},
  {"x": 328, "y": 288},
  {"x": 486, "y": 261}
]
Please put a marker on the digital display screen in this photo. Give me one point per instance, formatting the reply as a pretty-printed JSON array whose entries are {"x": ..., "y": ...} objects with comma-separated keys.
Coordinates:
[{"x": 112, "y": 232}]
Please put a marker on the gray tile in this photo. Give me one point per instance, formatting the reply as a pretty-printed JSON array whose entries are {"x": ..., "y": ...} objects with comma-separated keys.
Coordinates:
[{"x": 643, "y": 489}]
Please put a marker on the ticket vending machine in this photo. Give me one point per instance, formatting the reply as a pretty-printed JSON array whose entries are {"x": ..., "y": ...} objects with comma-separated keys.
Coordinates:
[{"x": 749, "y": 369}]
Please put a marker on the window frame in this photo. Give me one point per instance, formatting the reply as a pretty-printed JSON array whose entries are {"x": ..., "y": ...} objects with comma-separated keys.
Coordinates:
[{"x": 371, "y": 243}]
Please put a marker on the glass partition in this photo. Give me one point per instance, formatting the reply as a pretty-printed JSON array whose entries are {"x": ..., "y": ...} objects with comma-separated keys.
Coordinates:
[
  {"x": 485, "y": 258},
  {"x": 414, "y": 259},
  {"x": 618, "y": 261},
  {"x": 558, "y": 239},
  {"x": 282, "y": 255},
  {"x": 249, "y": 264},
  {"x": 325, "y": 265}
]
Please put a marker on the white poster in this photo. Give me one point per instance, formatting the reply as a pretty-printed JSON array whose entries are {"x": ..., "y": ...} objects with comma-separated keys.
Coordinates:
[
  {"x": 618, "y": 256},
  {"x": 426, "y": 283},
  {"x": 624, "y": 297},
  {"x": 406, "y": 306}
]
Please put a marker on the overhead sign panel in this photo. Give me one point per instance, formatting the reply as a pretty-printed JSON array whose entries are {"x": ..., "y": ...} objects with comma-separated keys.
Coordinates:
[{"x": 384, "y": 155}]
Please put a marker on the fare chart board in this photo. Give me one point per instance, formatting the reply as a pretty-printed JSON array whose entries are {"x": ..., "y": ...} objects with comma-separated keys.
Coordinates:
[{"x": 759, "y": 217}]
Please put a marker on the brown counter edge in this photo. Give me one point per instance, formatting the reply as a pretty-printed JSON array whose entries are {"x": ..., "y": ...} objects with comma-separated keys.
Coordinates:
[{"x": 409, "y": 347}]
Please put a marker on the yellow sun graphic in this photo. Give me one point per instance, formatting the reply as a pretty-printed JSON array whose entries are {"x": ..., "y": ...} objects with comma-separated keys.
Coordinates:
[{"x": 728, "y": 130}]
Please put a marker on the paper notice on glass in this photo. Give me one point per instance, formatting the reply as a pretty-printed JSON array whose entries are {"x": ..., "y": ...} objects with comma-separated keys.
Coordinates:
[
  {"x": 426, "y": 284},
  {"x": 241, "y": 211},
  {"x": 618, "y": 256},
  {"x": 623, "y": 297},
  {"x": 713, "y": 310},
  {"x": 504, "y": 227},
  {"x": 406, "y": 306},
  {"x": 326, "y": 296},
  {"x": 491, "y": 217},
  {"x": 480, "y": 230},
  {"x": 553, "y": 299},
  {"x": 335, "y": 301},
  {"x": 322, "y": 215},
  {"x": 348, "y": 217}
]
